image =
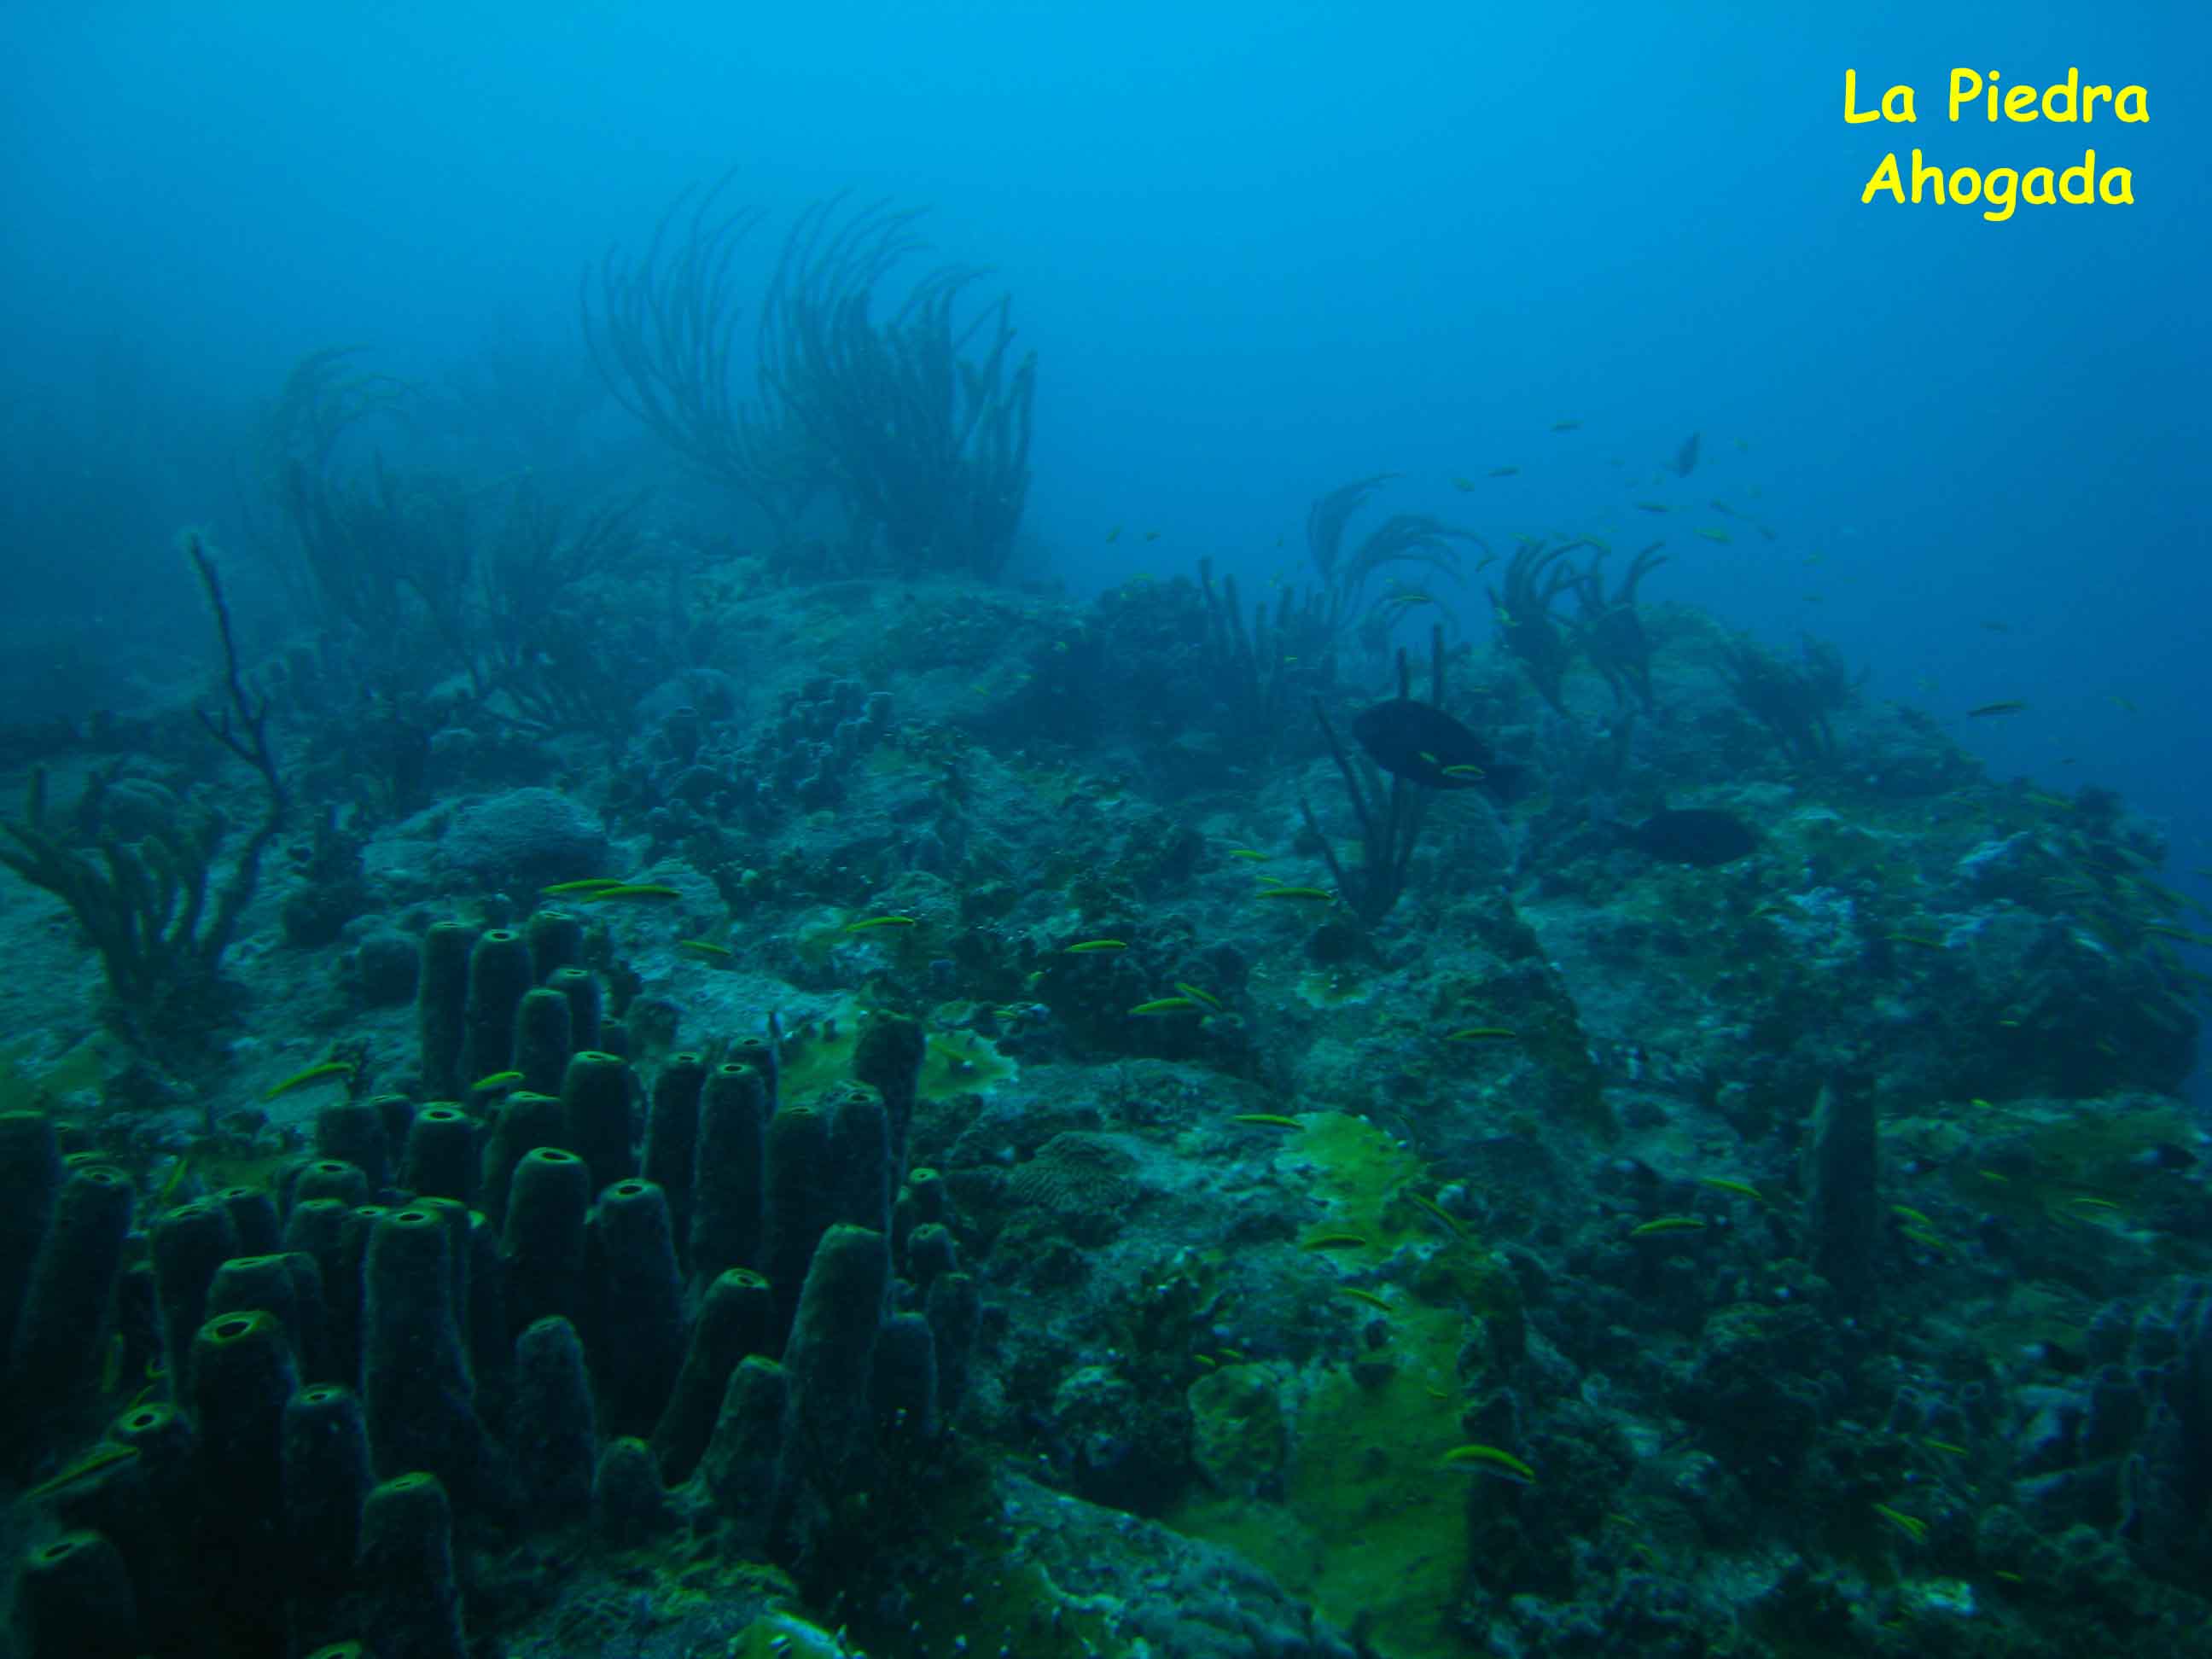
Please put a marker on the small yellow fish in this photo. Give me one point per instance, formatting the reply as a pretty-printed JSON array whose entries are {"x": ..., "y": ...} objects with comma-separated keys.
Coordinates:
[
  {"x": 1315, "y": 895},
  {"x": 1251, "y": 854},
  {"x": 1668, "y": 1224},
  {"x": 1092, "y": 946},
  {"x": 705, "y": 947},
  {"x": 1741, "y": 1188},
  {"x": 869, "y": 924},
  {"x": 1464, "y": 770},
  {"x": 589, "y": 884},
  {"x": 104, "y": 1457},
  {"x": 1503, "y": 471},
  {"x": 1483, "y": 1034},
  {"x": 1566, "y": 426},
  {"x": 1271, "y": 1120},
  {"x": 1462, "y": 485},
  {"x": 484, "y": 1085},
  {"x": 172, "y": 1181},
  {"x": 329, "y": 1068},
  {"x": 1912, "y": 1525},
  {"x": 1336, "y": 1242},
  {"x": 1166, "y": 1005},
  {"x": 1368, "y": 1297},
  {"x": 1152, "y": 535},
  {"x": 1197, "y": 995},
  {"x": 2010, "y": 706},
  {"x": 1713, "y": 535},
  {"x": 635, "y": 890},
  {"x": 1430, "y": 1207},
  {"x": 1114, "y": 535},
  {"x": 1488, "y": 1458}
]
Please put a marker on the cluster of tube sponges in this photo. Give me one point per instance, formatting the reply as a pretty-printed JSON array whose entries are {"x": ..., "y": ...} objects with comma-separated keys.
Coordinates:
[{"x": 532, "y": 1314}]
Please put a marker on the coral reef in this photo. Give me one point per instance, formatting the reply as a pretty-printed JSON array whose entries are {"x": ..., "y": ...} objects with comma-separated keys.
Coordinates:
[{"x": 1008, "y": 1136}]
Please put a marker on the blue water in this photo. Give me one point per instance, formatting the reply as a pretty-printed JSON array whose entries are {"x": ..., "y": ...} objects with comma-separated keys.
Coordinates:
[{"x": 1260, "y": 250}]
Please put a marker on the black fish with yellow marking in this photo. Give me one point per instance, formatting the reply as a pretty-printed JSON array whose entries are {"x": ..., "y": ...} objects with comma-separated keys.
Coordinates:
[
  {"x": 1694, "y": 834},
  {"x": 1421, "y": 743}
]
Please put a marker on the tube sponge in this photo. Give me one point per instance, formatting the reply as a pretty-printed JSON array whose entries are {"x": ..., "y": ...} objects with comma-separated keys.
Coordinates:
[
  {"x": 525, "y": 1120},
  {"x": 327, "y": 1178},
  {"x": 544, "y": 1037},
  {"x": 735, "y": 1320},
  {"x": 76, "y": 1600},
  {"x": 408, "y": 1596},
  {"x": 639, "y": 1323},
  {"x": 326, "y": 1476},
  {"x": 861, "y": 1158},
  {"x": 556, "y": 941},
  {"x": 441, "y": 994},
  {"x": 287, "y": 1285},
  {"x": 352, "y": 1131},
  {"x": 741, "y": 1464},
  {"x": 416, "y": 1386},
  {"x": 830, "y": 1360},
  {"x": 253, "y": 1212},
  {"x": 542, "y": 1243},
  {"x": 801, "y": 1190},
  {"x": 920, "y": 1199},
  {"x": 955, "y": 1310},
  {"x": 30, "y": 1177},
  {"x": 241, "y": 1376},
  {"x": 729, "y": 1179},
  {"x": 188, "y": 1243},
  {"x": 64, "y": 1321},
  {"x": 499, "y": 973},
  {"x": 887, "y": 1059},
  {"x": 671, "y": 1138},
  {"x": 442, "y": 1160},
  {"x": 551, "y": 1440},
  {"x": 904, "y": 1382},
  {"x": 629, "y": 1505},
  {"x": 584, "y": 1004},
  {"x": 595, "y": 1104}
]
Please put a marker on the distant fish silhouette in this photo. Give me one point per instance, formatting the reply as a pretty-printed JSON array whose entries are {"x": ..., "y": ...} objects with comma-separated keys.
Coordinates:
[
  {"x": 1421, "y": 743},
  {"x": 1685, "y": 458},
  {"x": 1694, "y": 834}
]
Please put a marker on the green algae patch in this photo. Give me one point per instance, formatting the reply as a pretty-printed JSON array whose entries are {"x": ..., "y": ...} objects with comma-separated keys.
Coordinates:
[
  {"x": 29, "y": 1084},
  {"x": 1034, "y": 1578},
  {"x": 786, "y": 1636},
  {"x": 953, "y": 1062},
  {"x": 1356, "y": 1169},
  {"x": 1238, "y": 1436},
  {"x": 1372, "y": 1525},
  {"x": 1334, "y": 987}
]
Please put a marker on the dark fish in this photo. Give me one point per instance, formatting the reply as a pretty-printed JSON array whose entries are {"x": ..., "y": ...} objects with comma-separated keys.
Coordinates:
[
  {"x": 1694, "y": 834},
  {"x": 1685, "y": 458},
  {"x": 1423, "y": 745}
]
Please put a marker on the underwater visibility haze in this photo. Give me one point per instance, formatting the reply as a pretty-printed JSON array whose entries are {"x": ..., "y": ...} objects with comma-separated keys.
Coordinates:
[{"x": 1155, "y": 834}]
